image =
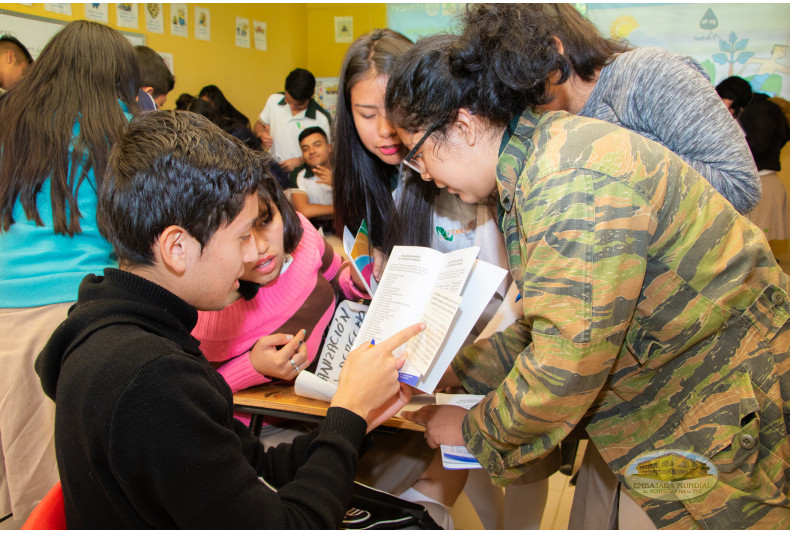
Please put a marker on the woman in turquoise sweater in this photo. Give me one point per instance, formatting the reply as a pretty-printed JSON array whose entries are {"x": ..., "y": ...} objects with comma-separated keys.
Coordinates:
[{"x": 58, "y": 124}]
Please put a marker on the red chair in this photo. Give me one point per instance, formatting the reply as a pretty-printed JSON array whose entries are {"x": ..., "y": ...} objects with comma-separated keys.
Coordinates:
[{"x": 50, "y": 513}]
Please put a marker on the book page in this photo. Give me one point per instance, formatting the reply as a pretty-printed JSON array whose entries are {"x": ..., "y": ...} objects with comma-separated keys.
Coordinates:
[
  {"x": 480, "y": 287},
  {"x": 402, "y": 294},
  {"x": 438, "y": 316},
  {"x": 456, "y": 268}
]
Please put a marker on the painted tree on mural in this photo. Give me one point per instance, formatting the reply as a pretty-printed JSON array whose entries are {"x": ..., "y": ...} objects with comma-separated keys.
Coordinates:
[{"x": 731, "y": 46}]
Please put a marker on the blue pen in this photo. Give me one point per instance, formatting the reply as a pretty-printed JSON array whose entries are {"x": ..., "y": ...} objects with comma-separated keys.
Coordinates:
[
  {"x": 518, "y": 297},
  {"x": 372, "y": 342}
]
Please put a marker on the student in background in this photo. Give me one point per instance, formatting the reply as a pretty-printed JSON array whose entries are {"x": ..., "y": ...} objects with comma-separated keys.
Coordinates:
[
  {"x": 235, "y": 128},
  {"x": 766, "y": 129},
  {"x": 287, "y": 114},
  {"x": 157, "y": 80},
  {"x": 14, "y": 60},
  {"x": 736, "y": 93},
  {"x": 663, "y": 96},
  {"x": 159, "y": 447},
  {"x": 54, "y": 144},
  {"x": 311, "y": 183},
  {"x": 654, "y": 315},
  {"x": 183, "y": 101},
  {"x": 213, "y": 95}
]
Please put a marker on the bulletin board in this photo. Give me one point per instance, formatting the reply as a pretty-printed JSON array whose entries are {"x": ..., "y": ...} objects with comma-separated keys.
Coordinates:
[{"x": 35, "y": 32}]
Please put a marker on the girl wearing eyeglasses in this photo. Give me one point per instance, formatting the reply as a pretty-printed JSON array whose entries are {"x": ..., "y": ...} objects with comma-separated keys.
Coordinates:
[{"x": 654, "y": 315}]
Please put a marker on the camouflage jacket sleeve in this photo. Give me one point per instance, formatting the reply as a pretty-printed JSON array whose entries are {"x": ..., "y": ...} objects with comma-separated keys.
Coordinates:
[
  {"x": 582, "y": 267},
  {"x": 482, "y": 366}
]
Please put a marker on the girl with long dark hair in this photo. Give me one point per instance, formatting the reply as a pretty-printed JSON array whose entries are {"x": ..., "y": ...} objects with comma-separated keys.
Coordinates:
[{"x": 57, "y": 126}]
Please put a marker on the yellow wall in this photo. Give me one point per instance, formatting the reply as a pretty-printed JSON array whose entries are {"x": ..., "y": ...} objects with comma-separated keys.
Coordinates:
[
  {"x": 324, "y": 54},
  {"x": 300, "y": 35}
]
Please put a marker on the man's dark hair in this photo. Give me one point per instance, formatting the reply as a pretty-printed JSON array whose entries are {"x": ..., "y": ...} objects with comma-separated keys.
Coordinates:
[
  {"x": 309, "y": 131},
  {"x": 222, "y": 105},
  {"x": 154, "y": 71},
  {"x": 174, "y": 168},
  {"x": 9, "y": 42},
  {"x": 736, "y": 89},
  {"x": 300, "y": 84},
  {"x": 183, "y": 101}
]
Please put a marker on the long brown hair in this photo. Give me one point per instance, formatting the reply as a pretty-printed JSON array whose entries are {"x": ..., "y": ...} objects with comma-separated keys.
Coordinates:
[{"x": 78, "y": 78}]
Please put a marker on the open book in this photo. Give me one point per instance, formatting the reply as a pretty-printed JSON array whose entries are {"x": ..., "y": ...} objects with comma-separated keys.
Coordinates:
[{"x": 447, "y": 292}]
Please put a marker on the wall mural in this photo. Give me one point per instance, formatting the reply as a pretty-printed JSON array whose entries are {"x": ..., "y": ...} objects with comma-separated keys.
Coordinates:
[{"x": 747, "y": 40}]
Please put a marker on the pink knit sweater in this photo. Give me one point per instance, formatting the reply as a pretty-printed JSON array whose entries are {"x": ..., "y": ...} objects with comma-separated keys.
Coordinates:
[{"x": 300, "y": 298}]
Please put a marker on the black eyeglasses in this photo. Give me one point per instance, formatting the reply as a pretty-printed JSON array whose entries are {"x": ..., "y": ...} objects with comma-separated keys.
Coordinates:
[{"x": 414, "y": 160}]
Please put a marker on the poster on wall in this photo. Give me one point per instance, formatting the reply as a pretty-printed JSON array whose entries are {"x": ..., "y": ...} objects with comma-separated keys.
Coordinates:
[
  {"x": 154, "y": 18},
  {"x": 127, "y": 15},
  {"x": 326, "y": 94},
  {"x": 63, "y": 9},
  {"x": 259, "y": 35},
  {"x": 178, "y": 20},
  {"x": 344, "y": 29},
  {"x": 242, "y": 32},
  {"x": 726, "y": 39},
  {"x": 97, "y": 12},
  {"x": 202, "y": 24}
]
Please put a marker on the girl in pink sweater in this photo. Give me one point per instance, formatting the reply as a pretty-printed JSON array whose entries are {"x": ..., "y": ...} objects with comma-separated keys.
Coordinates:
[{"x": 284, "y": 304}]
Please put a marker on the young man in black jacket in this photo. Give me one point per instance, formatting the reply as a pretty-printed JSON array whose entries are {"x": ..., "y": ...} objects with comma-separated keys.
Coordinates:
[{"x": 144, "y": 430}]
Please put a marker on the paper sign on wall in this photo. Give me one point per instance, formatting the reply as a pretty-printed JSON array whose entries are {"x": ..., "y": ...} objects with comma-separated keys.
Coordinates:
[
  {"x": 63, "y": 9},
  {"x": 202, "y": 24},
  {"x": 259, "y": 35},
  {"x": 97, "y": 12},
  {"x": 154, "y": 18},
  {"x": 127, "y": 16},
  {"x": 179, "y": 16},
  {"x": 344, "y": 29},
  {"x": 242, "y": 32}
]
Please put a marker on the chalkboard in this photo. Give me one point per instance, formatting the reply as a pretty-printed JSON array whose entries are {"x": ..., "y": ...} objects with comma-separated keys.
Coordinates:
[{"x": 35, "y": 32}]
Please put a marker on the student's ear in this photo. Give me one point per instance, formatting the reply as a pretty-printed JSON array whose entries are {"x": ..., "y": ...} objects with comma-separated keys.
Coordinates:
[
  {"x": 468, "y": 125},
  {"x": 149, "y": 90},
  {"x": 9, "y": 57},
  {"x": 175, "y": 247},
  {"x": 558, "y": 43}
]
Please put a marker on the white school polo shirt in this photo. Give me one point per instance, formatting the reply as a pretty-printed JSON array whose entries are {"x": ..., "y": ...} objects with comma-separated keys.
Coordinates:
[{"x": 285, "y": 127}]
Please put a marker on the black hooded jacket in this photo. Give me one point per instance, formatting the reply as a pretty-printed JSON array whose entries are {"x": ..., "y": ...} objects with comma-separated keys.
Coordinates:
[{"x": 144, "y": 430}]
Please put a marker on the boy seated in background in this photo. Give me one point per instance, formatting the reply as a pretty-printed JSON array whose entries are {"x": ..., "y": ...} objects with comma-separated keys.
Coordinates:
[
  {"x": 311, "y": 183},
  {"x": 155, "y": 77},
  {"x": 144, "y": 428},
  {"x": 14, "y": 61},
  {"x": 287, "y": 114}
]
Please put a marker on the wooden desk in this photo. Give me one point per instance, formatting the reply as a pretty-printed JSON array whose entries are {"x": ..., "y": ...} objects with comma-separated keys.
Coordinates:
[{"x": 280, "y": 401}]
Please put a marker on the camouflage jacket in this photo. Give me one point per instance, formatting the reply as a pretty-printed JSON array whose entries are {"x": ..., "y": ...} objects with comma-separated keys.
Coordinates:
[{"x": 655, "y": 316}]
